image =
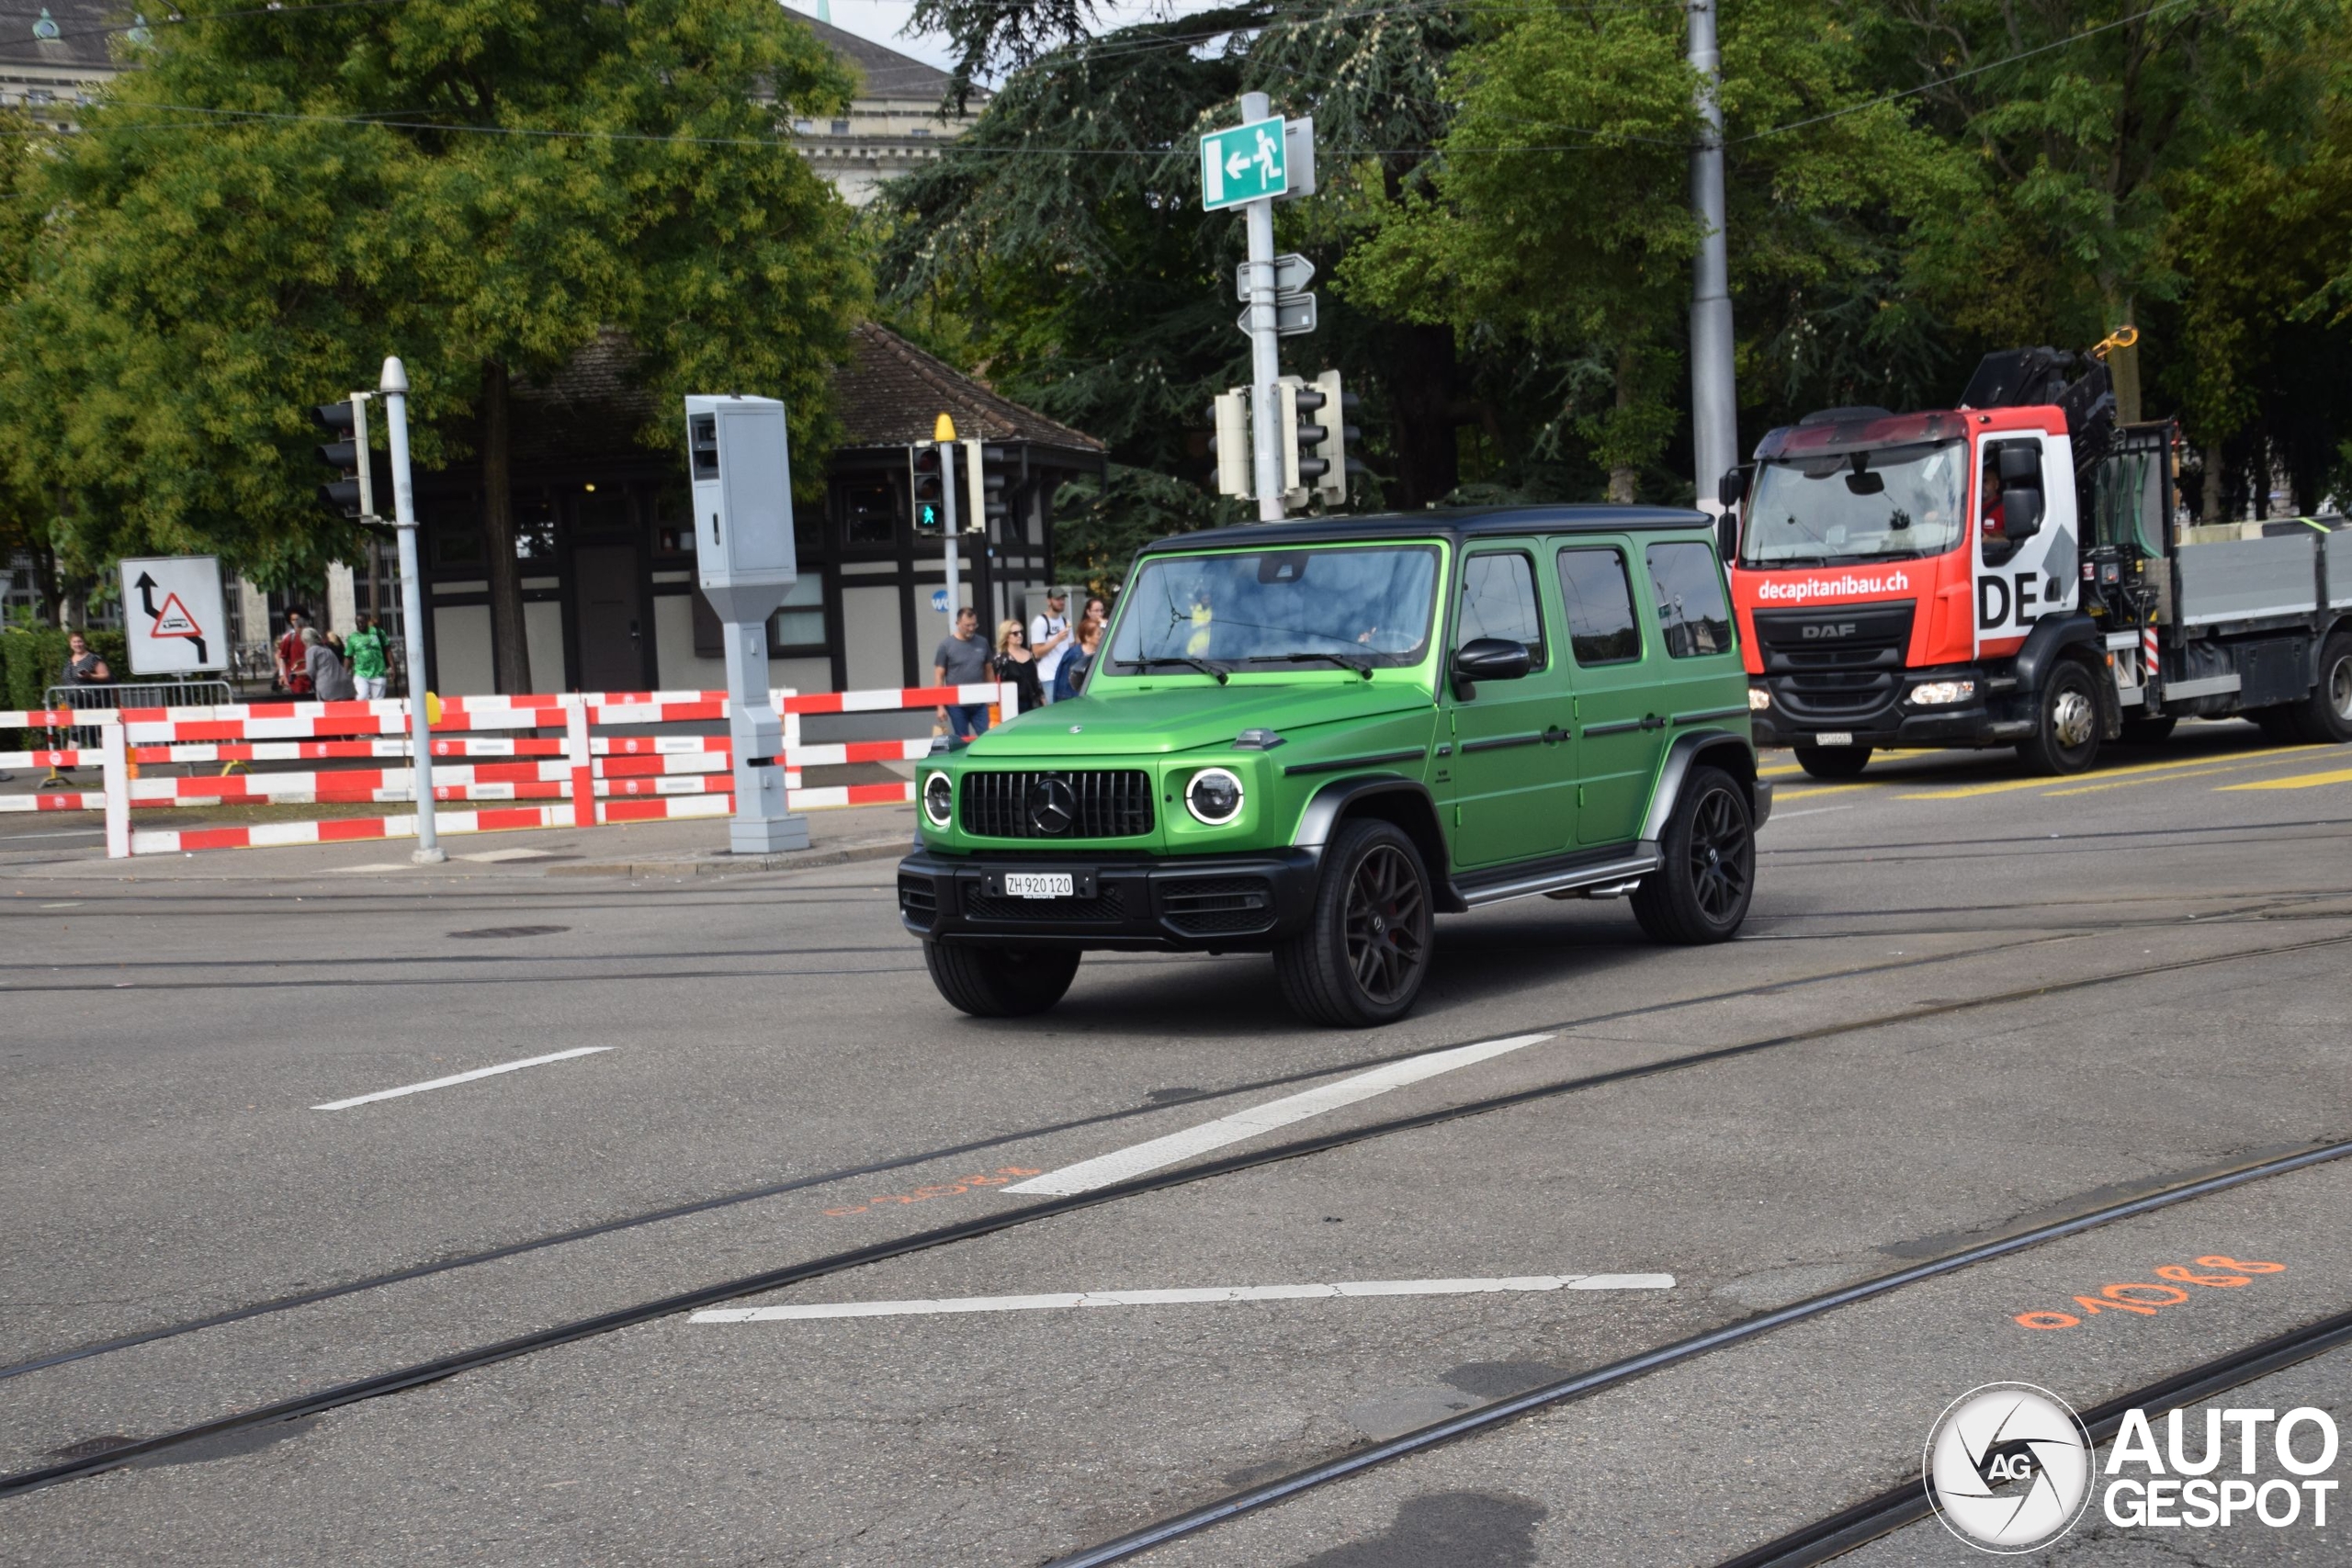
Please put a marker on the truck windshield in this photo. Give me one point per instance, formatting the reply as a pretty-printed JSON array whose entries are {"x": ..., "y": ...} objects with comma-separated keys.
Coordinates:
[
  {"x": 1364, "y": 608},
  {"x": 1880, "y": 504}
]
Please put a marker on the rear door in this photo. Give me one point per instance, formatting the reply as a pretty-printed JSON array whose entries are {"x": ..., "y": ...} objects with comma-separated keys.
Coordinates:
[
  {"x": 1620, "y": 723},
  {"x": 1700, "y": 682},
  {"x": 1513, "y": 787}
]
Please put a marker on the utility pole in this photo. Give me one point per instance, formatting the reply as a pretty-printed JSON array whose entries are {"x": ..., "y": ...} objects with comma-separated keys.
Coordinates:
[
  {"x": 1714, "y": 400},
  {"x": 1265, "y": 346},
  {"x": 394, "y": 387}
]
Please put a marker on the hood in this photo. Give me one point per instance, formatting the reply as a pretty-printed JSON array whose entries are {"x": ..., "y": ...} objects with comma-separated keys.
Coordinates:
[{"x": 1168, "y": 721}]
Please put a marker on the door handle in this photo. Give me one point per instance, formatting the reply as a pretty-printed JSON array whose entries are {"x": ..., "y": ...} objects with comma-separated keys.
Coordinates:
[
  {"x": 1554, "y": 735},
  {"x": 1652, "y": 721}
]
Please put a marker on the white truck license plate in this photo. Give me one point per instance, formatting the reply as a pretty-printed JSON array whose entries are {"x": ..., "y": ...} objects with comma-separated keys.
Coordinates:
[
  {"x": 1833, "y": 737},
  {"x": 1039, "y": 885}
]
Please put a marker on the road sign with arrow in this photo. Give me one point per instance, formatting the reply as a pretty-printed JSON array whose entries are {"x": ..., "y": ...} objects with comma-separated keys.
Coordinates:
[
  {"x": 175, "y": 615},
  {"x": 1244, "y": 163}
]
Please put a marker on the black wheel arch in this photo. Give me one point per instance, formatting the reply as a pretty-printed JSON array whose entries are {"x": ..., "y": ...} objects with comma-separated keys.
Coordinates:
[
  {"x": 2054, "y": 637},
  {"x": 1713, "y": 748},
  {"x": 1403, "y": 801}
]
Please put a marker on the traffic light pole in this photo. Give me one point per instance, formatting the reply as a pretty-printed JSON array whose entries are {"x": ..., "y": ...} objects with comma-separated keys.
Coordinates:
[
  {"x": 394, "y": 385},
  {"x": 1714, "y": 404},
  {"x": 1265, "y": 346},
  {"x": 948, "y": 526}
]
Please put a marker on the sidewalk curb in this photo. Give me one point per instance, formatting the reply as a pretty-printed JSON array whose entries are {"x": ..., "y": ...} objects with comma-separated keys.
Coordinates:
[{"x": 721, "y": 863}]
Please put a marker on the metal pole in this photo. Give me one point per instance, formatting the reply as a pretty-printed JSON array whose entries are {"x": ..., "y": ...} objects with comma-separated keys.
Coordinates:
[
  {"x": 948, "y": 526},
  {"x": 1265, "y": 348},
  {"x": 394, "y": 385},
  {"x": 1714, "y": 400}
]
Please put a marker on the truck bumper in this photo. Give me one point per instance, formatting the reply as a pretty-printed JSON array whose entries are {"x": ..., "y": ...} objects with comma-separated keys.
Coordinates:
[
  {"x": 1899, "y": 726},
  {"x": 1183, "y": 904}
]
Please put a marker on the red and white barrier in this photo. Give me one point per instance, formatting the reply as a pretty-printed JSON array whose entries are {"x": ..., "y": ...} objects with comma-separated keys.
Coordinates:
[{"x": 591, "y": 778}]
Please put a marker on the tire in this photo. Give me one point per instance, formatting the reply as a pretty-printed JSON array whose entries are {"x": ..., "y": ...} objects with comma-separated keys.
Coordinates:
[
  {"x": 2148, "y": 731},
  {"x": 1701, "y": 894},
  {"x": 1834, "y": 762},
  {"x": 2066, "y": 722},
  {"x": 2325, "y": 718},
  {"x": 1365, "y": 951},
  {"x": 1001, "y": 982}
]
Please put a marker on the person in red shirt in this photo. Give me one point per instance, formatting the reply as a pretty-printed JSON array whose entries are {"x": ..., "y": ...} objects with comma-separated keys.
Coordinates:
[
  {"x": 1996, "y": 526},
  {"x": 292, "y": 674}
]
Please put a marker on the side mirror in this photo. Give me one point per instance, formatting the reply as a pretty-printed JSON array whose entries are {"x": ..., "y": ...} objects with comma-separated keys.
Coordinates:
[
  {"x": 1487, "y": 658},
  {"x": 2020, "y": 467},
  {"x": 1728, "y": 538},
  {"x": 1733, "y": 490},
  {"x": 2021, "y": 512}
]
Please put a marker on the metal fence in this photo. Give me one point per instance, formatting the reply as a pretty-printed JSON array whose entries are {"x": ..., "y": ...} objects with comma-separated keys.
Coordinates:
[{"x": 129, "y": 694}]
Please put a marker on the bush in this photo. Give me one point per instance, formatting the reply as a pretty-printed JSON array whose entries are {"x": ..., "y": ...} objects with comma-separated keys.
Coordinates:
[{"x": 30, "y": 662}]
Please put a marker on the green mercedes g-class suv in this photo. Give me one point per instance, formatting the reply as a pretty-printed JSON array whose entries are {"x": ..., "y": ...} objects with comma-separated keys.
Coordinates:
[{"x": 1309, "y": 739}]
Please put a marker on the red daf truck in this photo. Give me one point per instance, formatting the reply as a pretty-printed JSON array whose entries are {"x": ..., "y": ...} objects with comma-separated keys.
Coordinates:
[{"x": 2010, "y": 572}]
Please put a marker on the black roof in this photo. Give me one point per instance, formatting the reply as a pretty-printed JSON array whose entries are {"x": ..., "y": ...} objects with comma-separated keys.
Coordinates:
[{"x": 1460, "y": 523}]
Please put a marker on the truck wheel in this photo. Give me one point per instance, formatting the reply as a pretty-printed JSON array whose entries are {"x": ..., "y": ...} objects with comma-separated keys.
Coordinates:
[
  {"x": 1001, "y": 982},
  {"x": 1834, "y": 762},
  {"x": 1365, "y": 951},
  {"x": 1700, "y": 893},
  {"x": 2148, "y": 731},
  {"x": 2065, "y": 730},
  {"x": 2325, "y": 718}
]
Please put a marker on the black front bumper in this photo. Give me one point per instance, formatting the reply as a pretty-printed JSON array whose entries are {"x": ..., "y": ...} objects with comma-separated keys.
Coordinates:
[
  {"x": 1185, "y": 904},
  {"x": 1891, "y": 725}
]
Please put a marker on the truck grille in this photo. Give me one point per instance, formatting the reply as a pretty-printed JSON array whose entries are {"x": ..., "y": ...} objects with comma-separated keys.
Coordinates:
[
  {"x": 1058, "y": 805},
  {"x": 1834, "y": 663}
]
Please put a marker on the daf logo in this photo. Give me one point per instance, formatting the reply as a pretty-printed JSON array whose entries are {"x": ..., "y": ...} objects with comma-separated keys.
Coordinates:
[
  {"x": 1052, "y": 805},
  {"x": 1831, "y": 628}
]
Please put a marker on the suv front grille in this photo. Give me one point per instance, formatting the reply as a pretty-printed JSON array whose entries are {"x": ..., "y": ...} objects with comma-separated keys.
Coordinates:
[
  {"x": 1106, "y": 908},
  {"x": 1065, "y": 803}
]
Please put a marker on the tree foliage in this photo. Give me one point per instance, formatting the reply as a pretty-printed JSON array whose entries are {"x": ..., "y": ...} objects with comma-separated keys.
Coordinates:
[{"x": 281, "y": 197}]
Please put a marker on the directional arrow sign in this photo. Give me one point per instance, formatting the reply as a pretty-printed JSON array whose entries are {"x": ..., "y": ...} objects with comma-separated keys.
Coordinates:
[
  {"x": 1293, "y": 273},
  {"x": 1243, "y": 163},
  {"x": 180, "y": 622},
  {"x": 1294, "y": 314}
]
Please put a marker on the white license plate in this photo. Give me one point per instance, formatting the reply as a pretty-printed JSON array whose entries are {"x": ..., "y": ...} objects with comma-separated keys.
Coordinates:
[
  {"x": 1833, "y": 737},
  {"x": 1039, "y": 885}
]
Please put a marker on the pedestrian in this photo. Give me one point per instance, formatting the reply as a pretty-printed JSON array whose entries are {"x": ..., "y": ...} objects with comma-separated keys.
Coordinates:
[
  {"x": 1017, "y": 664},
  {"x": 83, "y": 665},
  {"x": 1070, "y": 679},
  {"x": 962, "y": 660},
  {"x": 370, "y": 658},
  {"x": 290, "y": 653},
  {"x": 1049, "y": 636},
  {"x": 322, "y": 669}
]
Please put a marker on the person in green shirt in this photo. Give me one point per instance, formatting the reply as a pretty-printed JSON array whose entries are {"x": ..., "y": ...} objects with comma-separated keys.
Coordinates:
[{"x": 370, "y": 658}]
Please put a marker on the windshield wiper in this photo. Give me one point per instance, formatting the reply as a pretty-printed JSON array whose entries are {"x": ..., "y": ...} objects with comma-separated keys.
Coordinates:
[
  {"x": 1204, "y": 666},
  {"x": 1361, "y": 666}
]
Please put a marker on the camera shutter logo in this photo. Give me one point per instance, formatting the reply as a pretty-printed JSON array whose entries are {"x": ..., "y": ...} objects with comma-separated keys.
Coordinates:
[{"x": 2009, "y": 1467}]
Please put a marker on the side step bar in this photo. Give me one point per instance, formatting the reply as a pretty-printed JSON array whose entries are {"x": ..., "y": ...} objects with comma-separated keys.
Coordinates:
[{"x": 1564, "y": 879}]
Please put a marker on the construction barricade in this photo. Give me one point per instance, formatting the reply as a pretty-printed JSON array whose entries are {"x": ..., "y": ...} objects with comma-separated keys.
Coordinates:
[{"x": 586, "y": 779}]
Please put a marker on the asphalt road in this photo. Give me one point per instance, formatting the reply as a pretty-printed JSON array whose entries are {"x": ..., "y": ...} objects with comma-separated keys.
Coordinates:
[{"x": 1975, "y": 1003}]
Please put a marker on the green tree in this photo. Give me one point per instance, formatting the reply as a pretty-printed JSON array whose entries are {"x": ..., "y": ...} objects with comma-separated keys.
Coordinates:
[{"x": 282, "y": 197}]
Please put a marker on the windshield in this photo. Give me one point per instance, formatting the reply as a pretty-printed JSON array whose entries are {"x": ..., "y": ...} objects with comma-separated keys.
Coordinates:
[
  {"x": 1362, "y": 608},
  {"x": 1887, "y": 502}
]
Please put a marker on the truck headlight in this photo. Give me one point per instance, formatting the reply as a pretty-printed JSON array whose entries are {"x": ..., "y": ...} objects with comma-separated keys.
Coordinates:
[
  {"x": 1213, "y": 796},
  {"x": 1759, "y": 699},
  {"x": 1936, "y": 694},
  {"x": 939, "y": 800}
]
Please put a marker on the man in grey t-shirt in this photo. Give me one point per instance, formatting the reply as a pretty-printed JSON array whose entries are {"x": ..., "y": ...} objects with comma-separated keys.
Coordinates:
[{"x": 961, "y": 660}]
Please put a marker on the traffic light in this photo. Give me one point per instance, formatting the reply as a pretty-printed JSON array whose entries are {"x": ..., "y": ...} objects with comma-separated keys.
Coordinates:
[
  {"x": 1301, "y": 437},
  {"x": 1336, "y": 404},
  {"x": 987, "y": 479},
  {"x": 353, "y": 495},
  {"x": 930, "y": 488},
  {"x": 1231, "y": 444}
]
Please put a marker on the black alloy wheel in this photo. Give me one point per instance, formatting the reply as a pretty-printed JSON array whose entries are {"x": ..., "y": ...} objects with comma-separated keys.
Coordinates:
[
  {"x": 1701, "y": 892},
  {"x": 1365, "y": 951}
]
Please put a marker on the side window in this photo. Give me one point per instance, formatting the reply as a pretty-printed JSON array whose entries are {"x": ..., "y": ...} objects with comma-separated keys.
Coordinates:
[
  {"x": 1691, "y": 609},
  {"x": 1599, "y": 597},
  {"x": 1499, "y": 600}
]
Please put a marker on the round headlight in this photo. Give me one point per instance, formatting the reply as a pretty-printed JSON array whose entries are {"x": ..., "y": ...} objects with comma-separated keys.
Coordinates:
[
  {"x": 1213, "y": 796},
  {"x": 939, "y": 799}
]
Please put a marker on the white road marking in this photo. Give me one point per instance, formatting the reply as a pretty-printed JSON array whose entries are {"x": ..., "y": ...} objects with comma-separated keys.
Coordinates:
[
  {"x": 376, "y": 866},
  {"x": 1102, "y": 1172},
  {"x": 69, "y": 904},
  {"x": 1189, "y": 1297},
  {"x": 492, "y": 857},
  {"x": 460, "y": 1077},
  {"x": 1811, "y": 811}
]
